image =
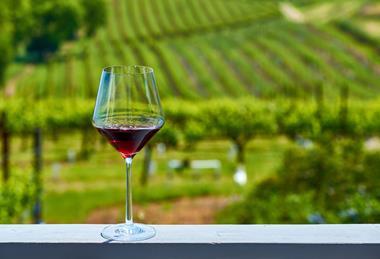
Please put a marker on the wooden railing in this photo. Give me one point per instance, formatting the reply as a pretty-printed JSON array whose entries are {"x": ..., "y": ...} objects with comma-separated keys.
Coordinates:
[{"x": 194, "y": 241}]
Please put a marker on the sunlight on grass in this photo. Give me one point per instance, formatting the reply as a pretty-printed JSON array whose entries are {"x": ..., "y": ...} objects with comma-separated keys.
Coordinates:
[
  {"x": 320, "y": 12},
  {"x": 83, "y": 186}
]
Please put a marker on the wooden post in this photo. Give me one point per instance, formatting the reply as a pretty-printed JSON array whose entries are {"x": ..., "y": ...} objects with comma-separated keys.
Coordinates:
[
  {"x": 343, "y": 113},
  {"x": 240, "y": 146},
  {"x": 319, "y": 96},
  {"x": 37, "y": 137},
  {"x": 146, "y": 166},
  {"x": 5, "y": 136},
  {"x": 87, "y": 145}
]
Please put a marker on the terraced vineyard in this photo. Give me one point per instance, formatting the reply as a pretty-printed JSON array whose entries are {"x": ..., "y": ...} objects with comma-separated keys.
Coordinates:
[{"x": 205, "y": 49}]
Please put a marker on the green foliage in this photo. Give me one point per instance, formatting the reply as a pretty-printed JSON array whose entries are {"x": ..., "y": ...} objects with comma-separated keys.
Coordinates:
[
  {"x": 55, "y": 22},
  {"x": 43, "y": 25},
  {"x": 239, "y": 120},
  {"x": 251, "y": 50},
  {"x": 180, "y": 112},
  {"x": 297, "y": 118},
  {"x": 185, "y": 118},
  {"x": 276, "y": 209},
  {"x": 22, "y": 20},
  {"x": 349, "y": 27},
  {"x": 168, "y": 135},
  {"x": 336, "y": 182},
  {"x": 334, "y": 178},
  {"x": 6, "y": 50},
  {"x": 94, "y": 15},
  {"x": 49, "y": 115},
  {"x": 5, "y": 39},
  {"x": 15, "y": 198}
]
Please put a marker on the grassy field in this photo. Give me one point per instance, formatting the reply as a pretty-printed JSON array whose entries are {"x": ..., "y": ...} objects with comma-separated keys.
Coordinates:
[{"x": 74, "y": 189}]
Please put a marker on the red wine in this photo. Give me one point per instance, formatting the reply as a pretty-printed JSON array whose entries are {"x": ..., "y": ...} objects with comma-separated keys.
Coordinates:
[{"x": 128, "y": 141}]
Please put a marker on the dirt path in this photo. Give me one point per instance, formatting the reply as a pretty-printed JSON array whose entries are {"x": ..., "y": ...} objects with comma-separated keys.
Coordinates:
[
  {"x": 10, "y": 87},
  {"x": 200, "y": 210}
]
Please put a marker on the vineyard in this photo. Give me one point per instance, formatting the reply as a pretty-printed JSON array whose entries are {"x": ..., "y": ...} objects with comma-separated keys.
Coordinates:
[
  {"x": 205, "y": 49},
  {"x": 228, "y": 71}
]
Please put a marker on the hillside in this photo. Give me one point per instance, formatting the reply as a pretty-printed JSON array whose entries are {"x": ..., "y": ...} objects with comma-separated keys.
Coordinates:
[{"x": 205, "y": 49}]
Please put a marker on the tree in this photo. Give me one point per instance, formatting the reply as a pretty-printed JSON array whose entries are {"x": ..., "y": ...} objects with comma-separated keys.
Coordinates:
[
  {"x": 94, "y": 15},
  {"x": 6, "y": 55},
  {"x": 55, "y": 22},
  {"x": 15, "y": 24},
  {"x": 167, "y": 135},
  {"x": 300, "y": 118},
  {"x": 43, "y": 25},
  {"x": 337, "y": 184},
  {"x": 5, "y": 39},
  {"x": 22, "y": 20},
  {"x": 239, "y": 122}
]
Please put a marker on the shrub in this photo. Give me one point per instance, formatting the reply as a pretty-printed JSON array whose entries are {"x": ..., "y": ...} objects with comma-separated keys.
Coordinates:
[
  {"x": 334, "y": 183},
  {"x": 16, "y": 197}
]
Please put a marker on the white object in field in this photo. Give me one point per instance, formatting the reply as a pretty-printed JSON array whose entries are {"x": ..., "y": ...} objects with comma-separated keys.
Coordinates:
[
  {"x": 372, "y": 144},
  {"x": 151, "y": 167},
  {"x": 196, "y": 165},
  {"x": 320, "y": 12},
  {"x": 205, "y": 164},
  {"x": 55, "y": 170},
  {"x": 161, "y": 148},
  {"x": 292, "y": 13},
  {"x": 305, "y": 143},
  {"x": 240, "y": 176},
  {"x": 71, "y": 155},
  {"x": 232, "y": 152},
  {"x": 175, "y": 164}
]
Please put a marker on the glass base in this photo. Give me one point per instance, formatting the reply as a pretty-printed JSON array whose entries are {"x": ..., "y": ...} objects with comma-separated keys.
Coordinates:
[{"x": 125, "y": 233}]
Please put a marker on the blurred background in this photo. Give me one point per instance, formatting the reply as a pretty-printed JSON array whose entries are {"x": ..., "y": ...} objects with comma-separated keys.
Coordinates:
[{"x": 272, "y": 108}]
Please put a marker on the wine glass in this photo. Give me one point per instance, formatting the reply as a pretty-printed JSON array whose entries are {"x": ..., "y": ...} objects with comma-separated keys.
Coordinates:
[{"x": 128, "y": 113}]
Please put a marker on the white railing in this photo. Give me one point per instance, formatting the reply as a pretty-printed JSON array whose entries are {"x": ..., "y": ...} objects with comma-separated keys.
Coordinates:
[{"x": 195, "y": 241}]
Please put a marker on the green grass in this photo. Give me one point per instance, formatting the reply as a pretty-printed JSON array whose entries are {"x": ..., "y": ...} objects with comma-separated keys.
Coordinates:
[
  {"x": 85, "y": 185},
  {"x": 75, "y": 206}
]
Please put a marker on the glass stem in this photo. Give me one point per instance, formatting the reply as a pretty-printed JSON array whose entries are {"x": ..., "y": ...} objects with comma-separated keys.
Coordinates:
[{"x": 128, "y": 203}]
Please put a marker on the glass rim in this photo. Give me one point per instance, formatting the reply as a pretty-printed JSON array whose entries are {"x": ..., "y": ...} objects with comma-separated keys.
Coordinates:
[{"x": 128, "y": 70}]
